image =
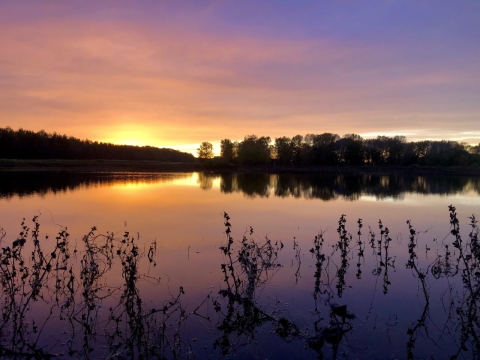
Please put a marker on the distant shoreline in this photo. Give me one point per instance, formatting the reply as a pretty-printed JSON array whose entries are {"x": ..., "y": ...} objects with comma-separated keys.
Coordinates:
[
  {"x": 157, "y": 166},
  {"x": 364, "y": 170},
  {"x": 97, "y": 165}
]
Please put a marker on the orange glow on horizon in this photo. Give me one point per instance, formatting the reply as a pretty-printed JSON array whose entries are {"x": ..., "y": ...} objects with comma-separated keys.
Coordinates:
[{"x": 177, "y": 83}]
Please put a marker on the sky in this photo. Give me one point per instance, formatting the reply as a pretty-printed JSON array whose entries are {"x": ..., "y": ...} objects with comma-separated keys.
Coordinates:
[{"x": 177, "y": 73}]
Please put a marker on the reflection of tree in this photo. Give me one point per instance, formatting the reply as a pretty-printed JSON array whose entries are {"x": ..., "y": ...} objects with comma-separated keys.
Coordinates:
[
  {"x": 251, "y": 185},
  {"x": 315, "y": 187},
  {"x": 25, "y": 183},
  {"x": 205, "y": 180},
  {"x": 228, "y": 183},
  {"x": 254, "y": 184},
  {"x": 288, "y": 186},
  {"x": 308, "y": 186},
  {"x": 350, "y": 187}
]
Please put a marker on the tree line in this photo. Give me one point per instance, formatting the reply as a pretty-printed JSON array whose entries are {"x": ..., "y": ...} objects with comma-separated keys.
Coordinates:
[
  {"x": 351, "y": 149},
  {"x": 26, "y": 144}
]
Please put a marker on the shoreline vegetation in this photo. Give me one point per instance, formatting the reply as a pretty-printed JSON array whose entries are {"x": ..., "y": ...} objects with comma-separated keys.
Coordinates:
[
  {"x": 26, "y": 144},
  {"x": 313, "y": 153},
  {"x": 349, "y": 150},
  {"x": 109, "y": 166}
]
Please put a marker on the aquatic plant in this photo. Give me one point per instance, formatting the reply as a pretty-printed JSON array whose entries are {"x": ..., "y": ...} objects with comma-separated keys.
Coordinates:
[
  {"x": 48, "y": 284},
  {"x": 69, "y": 288}
]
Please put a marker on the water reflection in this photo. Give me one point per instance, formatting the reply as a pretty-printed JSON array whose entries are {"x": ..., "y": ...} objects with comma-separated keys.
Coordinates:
[
  {"x": 26, "y": 183},
  {"x": 251, "y": 185},
  {"x": 250, "y": 266},
  {"x": 307, "y": 186},
  {"x": 72, "y": 286},
  {"x": 350, "y": 187}
]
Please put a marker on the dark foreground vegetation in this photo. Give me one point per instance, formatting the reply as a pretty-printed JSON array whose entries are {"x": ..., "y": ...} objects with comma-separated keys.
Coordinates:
[
  {"x": 58, "y": 303},
  {"x": 351, "y": 149},
  {"x": 25, "y": 144}
]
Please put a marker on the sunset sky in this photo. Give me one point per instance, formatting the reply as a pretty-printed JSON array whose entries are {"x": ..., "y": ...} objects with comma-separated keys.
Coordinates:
[{"x": 176, "y": 73}]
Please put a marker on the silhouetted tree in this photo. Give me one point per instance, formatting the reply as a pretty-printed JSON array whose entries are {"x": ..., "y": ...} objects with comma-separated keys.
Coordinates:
[
  {"x": 446, "y": 153},
  {"x": 323, "y": 148},
  {"x": 396, "y": 149},
  {"x": 284, "y": 150},
  {"x": 300, "y": 150},
  {"x": 205, "y": 151},
  {"x": 350, "y": 149},
  {"x": 25, "y": 144},
  {"x": 254, "y": 150},
  {"x": 373, "y": 155},
  {"x": 311, "y": 149},
  {"x": 475, "y": 149},
  {"x": 227, "y": 150},
  {"x": 420, "y": 151}
]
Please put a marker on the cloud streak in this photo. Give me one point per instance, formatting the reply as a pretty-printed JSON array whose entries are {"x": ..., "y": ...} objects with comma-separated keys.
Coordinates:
[{"x": 105, "y": 73}]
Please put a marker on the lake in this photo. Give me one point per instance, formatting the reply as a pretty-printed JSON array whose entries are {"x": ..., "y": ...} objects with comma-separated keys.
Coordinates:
[{"x": 250, "y": 265}]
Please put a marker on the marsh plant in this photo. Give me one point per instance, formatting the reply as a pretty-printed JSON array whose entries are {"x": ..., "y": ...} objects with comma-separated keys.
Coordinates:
[
  {"x": 51, "y": 284},
  {"x": 66, "y": 287}
]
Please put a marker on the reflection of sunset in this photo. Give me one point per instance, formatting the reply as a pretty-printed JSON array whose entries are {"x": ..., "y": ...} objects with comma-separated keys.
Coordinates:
[
  {"x": 190, "y": 179},
  {"x": 133, "y": 186},
  {"x": 160, "y": 208}
]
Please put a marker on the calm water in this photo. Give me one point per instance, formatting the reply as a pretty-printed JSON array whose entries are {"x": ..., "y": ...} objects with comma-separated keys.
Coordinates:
[{"x": 288, "y": 303}]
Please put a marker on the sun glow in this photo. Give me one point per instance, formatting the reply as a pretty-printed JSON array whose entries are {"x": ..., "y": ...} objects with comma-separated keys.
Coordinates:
[
  {"x": 130, "y": 133},
  {"x": 192, "y": 148},
  {"x": 148, "y": 80}
]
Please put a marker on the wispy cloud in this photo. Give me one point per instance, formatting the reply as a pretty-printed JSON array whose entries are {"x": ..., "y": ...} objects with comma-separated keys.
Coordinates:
[{"x": 113, "y": 75}]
